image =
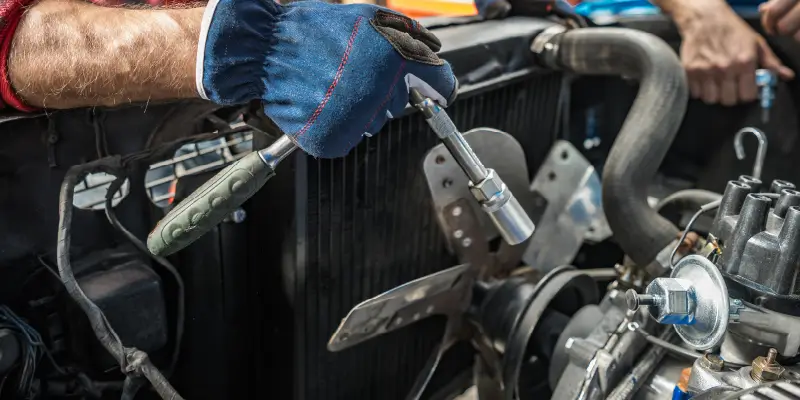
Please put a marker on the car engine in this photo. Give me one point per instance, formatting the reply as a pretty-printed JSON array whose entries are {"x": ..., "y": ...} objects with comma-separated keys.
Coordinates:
[{"x": 561, "y": 231}]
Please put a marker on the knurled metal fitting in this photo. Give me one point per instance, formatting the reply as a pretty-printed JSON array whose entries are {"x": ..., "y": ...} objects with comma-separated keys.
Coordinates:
[{"x": 766, "y": 368}]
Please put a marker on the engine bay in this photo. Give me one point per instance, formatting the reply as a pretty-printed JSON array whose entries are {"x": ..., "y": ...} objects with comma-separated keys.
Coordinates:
[{"x": 589, "y": 233}]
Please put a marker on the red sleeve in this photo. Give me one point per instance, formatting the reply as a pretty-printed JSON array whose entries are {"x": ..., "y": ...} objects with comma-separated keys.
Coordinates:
[{"x": 10, "y": 14}]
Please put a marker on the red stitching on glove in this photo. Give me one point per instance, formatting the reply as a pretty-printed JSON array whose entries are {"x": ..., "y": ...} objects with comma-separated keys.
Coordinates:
[
  {"x": 388, "y": 95},
  {"x": 401, "y": 19},
  {"x": 335, "y": 82}
]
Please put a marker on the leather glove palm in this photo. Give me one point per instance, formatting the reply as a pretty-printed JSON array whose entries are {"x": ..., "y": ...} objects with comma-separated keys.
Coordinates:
[{"x": 327, "y": 74}]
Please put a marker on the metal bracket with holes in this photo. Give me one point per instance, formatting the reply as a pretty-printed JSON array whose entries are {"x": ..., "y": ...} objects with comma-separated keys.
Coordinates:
[
  {"x": 447, "y": 183},
  {"x": 568, "y": 189}
]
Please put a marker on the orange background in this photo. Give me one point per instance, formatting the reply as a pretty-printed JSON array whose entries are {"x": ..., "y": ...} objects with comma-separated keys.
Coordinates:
[{"x": 431, "y": 8}]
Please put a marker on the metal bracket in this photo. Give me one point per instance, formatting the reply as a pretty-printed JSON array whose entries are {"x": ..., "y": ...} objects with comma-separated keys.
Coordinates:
[
  {"x": 466, "y": 237},
  {"x": 569, "y": 187},
  {"x": 447, "y": 183}
]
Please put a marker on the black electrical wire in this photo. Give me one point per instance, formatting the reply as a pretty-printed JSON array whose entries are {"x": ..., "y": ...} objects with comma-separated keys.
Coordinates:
[
  {"x": 31, "y": 350},
  {"x": 704, "y": 209},
  {"x": 181, "y": 308},
  {"x": 131, "y": 360}
]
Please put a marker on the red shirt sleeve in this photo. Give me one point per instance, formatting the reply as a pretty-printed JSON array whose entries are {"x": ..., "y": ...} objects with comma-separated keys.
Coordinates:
[{"x": 10, "y": 14}]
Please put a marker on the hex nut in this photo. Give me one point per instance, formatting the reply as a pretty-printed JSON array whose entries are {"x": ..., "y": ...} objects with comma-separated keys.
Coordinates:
[
  {"x": 676, "y": 301},
  {"x": 712, "y": 362},
  {"x": 488, "y": 188},
  {"x": 765, "y": 369}
]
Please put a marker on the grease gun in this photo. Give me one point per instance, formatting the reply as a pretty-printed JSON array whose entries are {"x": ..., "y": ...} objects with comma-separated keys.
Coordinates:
[{"x": 212, "y": 202}]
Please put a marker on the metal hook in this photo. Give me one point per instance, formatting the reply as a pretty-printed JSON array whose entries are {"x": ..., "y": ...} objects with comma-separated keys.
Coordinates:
[{"x": 762, "y": 148}]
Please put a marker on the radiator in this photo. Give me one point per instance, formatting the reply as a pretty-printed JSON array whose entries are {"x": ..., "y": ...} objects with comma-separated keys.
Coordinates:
[{"x": 365, "y": 224}]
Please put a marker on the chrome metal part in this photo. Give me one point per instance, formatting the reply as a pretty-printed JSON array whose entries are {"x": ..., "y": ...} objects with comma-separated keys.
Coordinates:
[
  {"x": 277, "y": 151},
  {"x": 237, "y": 216},
  {"x": 668, "y": 300},
  {"x": 704, "y": 378},
  {"x": 766, "y": 80},
  {"x": 447, "y": 182},
  {"x": 569, "y": 188},
  {"x": 505, "y": 212},
  {"x": 448, "y": 133},
  {"x": 768, "y": 328},
  {"x": 761, "y": 155},
  {"x": 543, "y": 41},
  {"x": 711, "y": 303}
]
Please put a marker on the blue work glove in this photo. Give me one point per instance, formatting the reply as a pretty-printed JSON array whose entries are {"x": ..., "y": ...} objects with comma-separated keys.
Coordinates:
[
  {"x": 491, "y": 9},
  {"x": 327, "y": 74}
]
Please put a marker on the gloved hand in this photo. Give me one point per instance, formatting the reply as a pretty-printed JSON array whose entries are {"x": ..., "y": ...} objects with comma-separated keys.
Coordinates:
[
  {"x": 327, "y": 74},
  {"x": 492, "y": 9}
]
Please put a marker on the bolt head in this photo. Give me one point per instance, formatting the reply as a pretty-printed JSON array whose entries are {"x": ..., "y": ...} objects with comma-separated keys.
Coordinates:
[
  {"x": 712, "y": 361},
  {"x": 238, "y": 216},
  {"x": 765, "y": 77},
  {"x": 489, "y": 188},
  {"x": 632, "y": 299},
  {"x": 676, "y": 301},
  {"x": 765, "y": 371}
]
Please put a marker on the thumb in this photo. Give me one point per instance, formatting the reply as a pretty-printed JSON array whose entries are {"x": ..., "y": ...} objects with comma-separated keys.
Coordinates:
[{"x": 769, "y": 60}]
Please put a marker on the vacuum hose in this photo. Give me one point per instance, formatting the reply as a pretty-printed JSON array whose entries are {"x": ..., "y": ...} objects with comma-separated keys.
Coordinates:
[{"x": 646, "y": 134}]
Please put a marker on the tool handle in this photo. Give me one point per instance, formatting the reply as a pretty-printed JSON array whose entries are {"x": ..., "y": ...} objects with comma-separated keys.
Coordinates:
[{"x": 209, "y": 205}]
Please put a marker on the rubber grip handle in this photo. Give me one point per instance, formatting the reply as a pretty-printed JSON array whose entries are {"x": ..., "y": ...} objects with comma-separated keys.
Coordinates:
[{"x": 209, "y": 204}]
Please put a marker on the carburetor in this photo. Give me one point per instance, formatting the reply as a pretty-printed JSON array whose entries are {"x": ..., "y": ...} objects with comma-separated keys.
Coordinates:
[{"x": 744, "y": 286}]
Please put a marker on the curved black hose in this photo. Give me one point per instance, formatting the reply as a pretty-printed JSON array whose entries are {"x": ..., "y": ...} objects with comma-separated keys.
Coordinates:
[
  {"x": 181, "y": 307},
  {"x": 646, "y": 134},
  {"x": 131, "y": 360}
]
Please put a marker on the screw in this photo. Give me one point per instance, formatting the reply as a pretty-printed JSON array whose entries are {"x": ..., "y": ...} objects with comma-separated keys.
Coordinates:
[
  {"x": 456, "y": 211},
  {"x": 772, "y": 355},
  {"x": 466, "y": 242},
  {"x": 635, "y": 300},
  {"x": 238, "y": 216},
  {"x": 766, "y": 368},
  {"x": 458, "y": 234}
]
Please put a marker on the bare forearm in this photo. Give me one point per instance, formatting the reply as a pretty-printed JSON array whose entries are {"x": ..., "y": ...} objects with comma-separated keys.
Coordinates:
[
  {"x": 69, "y": 53},
  {"x": 688, "y": 12}
]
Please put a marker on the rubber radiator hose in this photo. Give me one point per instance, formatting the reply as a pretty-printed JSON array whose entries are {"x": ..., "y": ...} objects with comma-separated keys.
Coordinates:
[{"x": 646, "y": 134}]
